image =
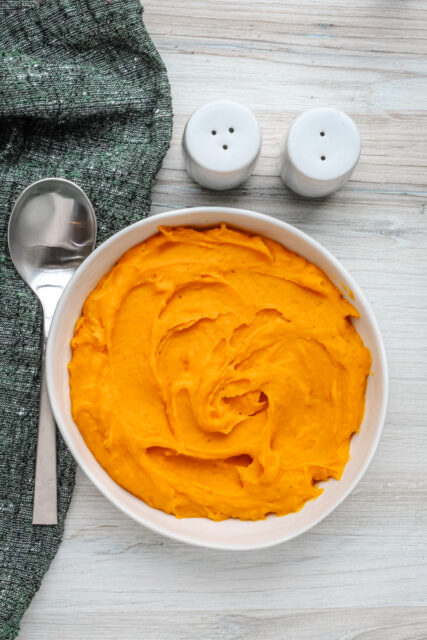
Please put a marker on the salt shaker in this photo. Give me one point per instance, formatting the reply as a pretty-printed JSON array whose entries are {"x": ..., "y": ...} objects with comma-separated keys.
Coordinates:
[
  {"x": 321, "y": 151},
  {"x": 221, "y": 144}
]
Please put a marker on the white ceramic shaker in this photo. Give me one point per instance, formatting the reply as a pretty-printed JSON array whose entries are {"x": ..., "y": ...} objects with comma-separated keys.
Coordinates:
[
  {"x": 321, "y": 151},
  {"x": 221, "y": 144}
]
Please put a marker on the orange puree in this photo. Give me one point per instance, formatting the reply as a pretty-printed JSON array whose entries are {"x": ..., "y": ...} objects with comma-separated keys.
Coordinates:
[{"x": 218, "y": 374}]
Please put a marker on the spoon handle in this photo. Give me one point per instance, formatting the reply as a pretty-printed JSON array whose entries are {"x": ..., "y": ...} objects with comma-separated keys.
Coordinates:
[{"x": 45, "y": 500}]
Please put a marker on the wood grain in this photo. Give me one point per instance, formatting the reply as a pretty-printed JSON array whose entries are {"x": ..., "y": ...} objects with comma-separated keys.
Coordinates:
[{"x": 362, "y": 573}]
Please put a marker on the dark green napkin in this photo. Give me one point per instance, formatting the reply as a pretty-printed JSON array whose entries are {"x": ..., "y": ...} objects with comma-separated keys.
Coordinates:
[{"x": 84, "y": 95}]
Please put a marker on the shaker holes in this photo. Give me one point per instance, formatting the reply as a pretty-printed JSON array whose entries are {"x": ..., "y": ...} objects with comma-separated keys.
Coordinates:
[
  {"x": 231, "y": 130},
  {"x": 323, "y": 157},
  {"x": 213, "y": 132},
  {"x": 225, "y": 147},
  {"x": 322, "y": 133}
]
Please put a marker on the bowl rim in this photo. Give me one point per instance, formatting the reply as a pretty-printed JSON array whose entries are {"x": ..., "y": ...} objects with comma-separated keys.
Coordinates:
[{"x": 167, "y": 218}]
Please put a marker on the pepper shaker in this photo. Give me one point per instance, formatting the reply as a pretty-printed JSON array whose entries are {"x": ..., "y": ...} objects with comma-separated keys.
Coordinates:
[{"x": 321, "y": 151}]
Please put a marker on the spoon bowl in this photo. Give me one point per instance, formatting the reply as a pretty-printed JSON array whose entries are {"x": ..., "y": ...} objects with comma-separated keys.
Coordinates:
[{"x": 52, "y": 229}]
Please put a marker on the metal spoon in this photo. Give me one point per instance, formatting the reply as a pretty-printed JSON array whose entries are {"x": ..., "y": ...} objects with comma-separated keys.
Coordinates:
[{"x": 52, "y": 229}]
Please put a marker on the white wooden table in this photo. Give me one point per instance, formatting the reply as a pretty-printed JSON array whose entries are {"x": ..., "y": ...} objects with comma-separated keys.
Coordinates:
[{"x": 361, "y": 573}]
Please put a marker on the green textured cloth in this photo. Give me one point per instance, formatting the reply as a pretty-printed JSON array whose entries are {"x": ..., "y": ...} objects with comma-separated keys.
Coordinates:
[{"x": 84, "y": 95}]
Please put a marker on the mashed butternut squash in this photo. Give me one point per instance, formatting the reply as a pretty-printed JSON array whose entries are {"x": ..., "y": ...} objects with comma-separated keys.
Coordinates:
[{"x": 218, "y": 374}]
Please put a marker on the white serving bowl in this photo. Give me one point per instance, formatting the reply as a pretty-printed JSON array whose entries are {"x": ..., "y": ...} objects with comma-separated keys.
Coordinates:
[{"x": 228, "y": 534}]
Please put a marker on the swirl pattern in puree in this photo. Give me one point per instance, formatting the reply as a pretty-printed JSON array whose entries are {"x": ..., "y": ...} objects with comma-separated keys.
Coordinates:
[{"x": 215, "y": 373}]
